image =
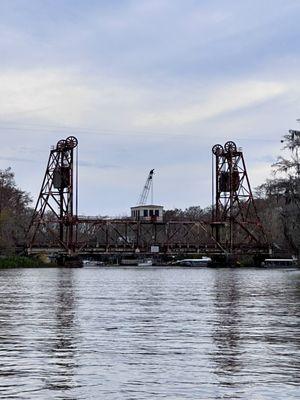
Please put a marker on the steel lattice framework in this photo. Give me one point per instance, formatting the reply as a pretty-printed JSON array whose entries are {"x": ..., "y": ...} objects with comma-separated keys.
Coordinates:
[
  {"x": 54, "y": 210},
  {"x": 236, "y": 223}
]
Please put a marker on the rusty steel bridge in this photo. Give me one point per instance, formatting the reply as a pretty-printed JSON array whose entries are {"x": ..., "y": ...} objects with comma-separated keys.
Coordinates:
[{"x": 234, "y": 226}]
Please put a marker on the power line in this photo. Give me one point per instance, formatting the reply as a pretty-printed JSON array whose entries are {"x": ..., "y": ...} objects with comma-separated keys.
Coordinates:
[{"x": 108, "y": 132}]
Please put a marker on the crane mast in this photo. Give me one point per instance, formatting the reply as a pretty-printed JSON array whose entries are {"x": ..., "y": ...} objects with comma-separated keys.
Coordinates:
[{"x": 148, "y": 185}]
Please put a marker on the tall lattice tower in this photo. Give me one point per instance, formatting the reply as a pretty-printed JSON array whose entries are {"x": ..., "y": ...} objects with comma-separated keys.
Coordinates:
[
  {"x": 55, "y": 214},
  {"x": 235, "y": 222}
]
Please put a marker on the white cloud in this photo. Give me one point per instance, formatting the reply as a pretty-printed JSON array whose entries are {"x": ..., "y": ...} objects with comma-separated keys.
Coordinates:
[
  {"x": 258, "y": 173},
  {"x": 62, "y": 97},
  {"x": 215, "y": 102},
  {"x": 47, "y": 94}
]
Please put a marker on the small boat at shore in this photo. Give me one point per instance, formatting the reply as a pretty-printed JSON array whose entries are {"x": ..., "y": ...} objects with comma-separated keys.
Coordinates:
[
  {"x": 142, "y": 262},
  {"x": 145, "y": 263},
  {"x": 193, "y": 262},
  {"x": 92, "y": 263},
  {"x": 280, "y": 263}
]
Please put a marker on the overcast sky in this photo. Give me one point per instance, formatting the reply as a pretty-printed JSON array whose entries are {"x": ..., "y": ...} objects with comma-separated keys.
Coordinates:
[{"x": 146, "y": 84}]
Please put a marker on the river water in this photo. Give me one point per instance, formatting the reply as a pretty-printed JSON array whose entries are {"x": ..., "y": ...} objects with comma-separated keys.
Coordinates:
[{"x": 152, "y": 333}]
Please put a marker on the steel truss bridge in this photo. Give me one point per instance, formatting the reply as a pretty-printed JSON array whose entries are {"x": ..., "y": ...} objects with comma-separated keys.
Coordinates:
[{"x": 234, "y": 227}]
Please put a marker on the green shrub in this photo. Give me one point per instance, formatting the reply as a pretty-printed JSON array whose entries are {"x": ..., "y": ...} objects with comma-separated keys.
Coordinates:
[{"x": 20, "y": 262}]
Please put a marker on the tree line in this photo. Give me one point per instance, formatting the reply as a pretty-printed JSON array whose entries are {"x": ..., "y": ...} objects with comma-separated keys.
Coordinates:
[{"x": 279, "y": 197}]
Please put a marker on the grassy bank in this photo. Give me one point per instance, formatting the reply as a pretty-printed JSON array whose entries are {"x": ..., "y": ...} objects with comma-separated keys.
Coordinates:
[{"x": 21, "y": 262}]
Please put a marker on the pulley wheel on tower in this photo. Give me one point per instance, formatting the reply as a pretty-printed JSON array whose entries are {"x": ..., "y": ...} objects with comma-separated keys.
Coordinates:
[
  {"x": 61, "y": 144},
  {"x": 230, "y": 147},
  {"x": 71, "y": 142},
  {"x": 217, "y": 149}
]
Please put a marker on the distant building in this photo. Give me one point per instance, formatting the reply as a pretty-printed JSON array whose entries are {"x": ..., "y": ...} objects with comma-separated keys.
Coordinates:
[{"x": 147, "y": 213}]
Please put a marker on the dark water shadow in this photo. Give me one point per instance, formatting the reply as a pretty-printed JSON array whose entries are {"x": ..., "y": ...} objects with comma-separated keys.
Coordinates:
[
  {"x": 63, "y": 345},
  {"x": 226, "y": 333}
]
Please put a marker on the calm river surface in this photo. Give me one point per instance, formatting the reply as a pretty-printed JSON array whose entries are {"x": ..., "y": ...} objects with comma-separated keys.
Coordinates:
[{"x": 152, "y": 333}]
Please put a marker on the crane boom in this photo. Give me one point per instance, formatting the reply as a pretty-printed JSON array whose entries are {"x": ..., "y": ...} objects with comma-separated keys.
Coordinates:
[{"x": 146, "y": 189}]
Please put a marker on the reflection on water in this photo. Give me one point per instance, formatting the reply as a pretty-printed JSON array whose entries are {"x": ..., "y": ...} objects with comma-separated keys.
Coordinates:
[
  {"x": 226, "y": 333},
  {"x": 62, "y": 346},
  {"x": 154, "y": 333}
]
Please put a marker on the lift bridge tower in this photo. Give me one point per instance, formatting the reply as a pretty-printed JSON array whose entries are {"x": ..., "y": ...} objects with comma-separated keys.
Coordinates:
[
  {"x": 235, "y": 221},
  {"x": 55, "y": 216}
]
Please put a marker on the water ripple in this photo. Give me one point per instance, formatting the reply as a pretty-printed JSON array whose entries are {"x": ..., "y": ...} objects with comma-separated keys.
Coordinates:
[{"x": 131, "y": 334}]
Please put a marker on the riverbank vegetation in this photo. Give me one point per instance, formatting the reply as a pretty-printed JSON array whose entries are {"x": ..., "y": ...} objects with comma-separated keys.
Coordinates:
[
  {"x": 20, "y": 262},
  {"x": 14, "y": 214}
]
